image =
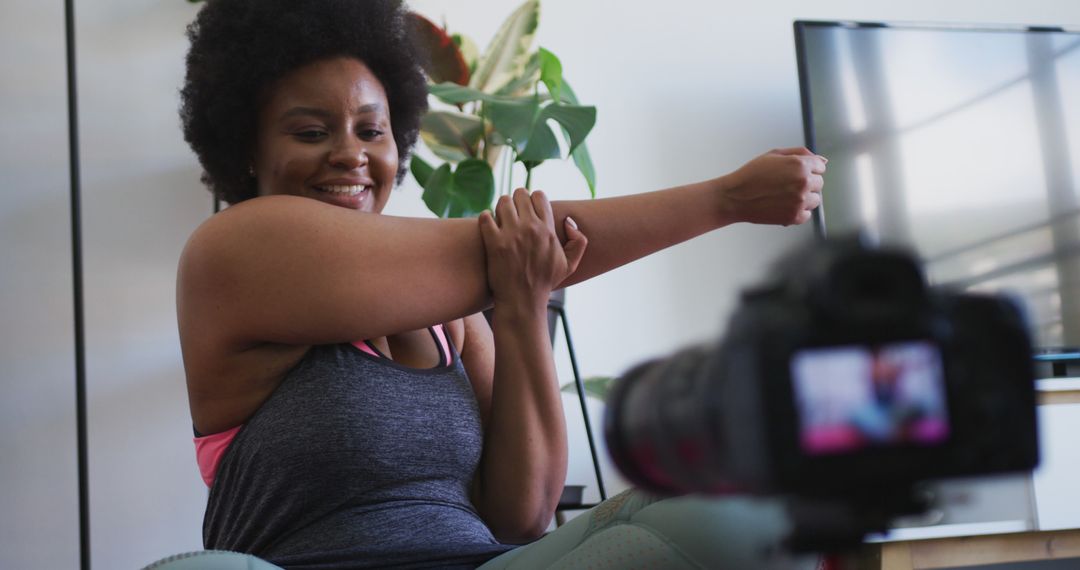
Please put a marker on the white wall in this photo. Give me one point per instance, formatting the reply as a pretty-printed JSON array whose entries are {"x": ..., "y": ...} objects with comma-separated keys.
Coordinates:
[
  {"x": 685, "y": 90},
  {"x": 141, "y": 199},
  {"x": 38, "y": 484}
]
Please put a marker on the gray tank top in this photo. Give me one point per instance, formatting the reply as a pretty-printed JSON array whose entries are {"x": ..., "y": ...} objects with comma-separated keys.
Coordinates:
[{"x": 355, "y": 462}]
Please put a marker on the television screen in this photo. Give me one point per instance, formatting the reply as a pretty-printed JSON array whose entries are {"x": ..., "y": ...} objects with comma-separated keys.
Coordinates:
[{"x": 962, "y": 142}]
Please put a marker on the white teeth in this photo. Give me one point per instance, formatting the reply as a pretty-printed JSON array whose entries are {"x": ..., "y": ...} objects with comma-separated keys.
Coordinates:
[{"x": 346, "y": 190}]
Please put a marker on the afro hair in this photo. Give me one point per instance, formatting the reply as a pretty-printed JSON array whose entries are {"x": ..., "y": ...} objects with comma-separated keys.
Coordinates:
[{"x": 239, "y": 48}]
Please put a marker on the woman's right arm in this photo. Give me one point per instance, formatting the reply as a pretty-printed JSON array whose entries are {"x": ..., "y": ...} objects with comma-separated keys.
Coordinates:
[{"x": 296, "y": 271}]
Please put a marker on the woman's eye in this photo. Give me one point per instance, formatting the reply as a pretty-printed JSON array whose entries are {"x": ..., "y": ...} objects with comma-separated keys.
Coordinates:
[
  {"x": 370, "y": 134},
  {"x": 309, "y": 135}
]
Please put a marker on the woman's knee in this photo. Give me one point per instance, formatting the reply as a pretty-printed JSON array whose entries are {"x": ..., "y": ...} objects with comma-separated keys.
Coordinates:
[{"x": 735, "y": 532}]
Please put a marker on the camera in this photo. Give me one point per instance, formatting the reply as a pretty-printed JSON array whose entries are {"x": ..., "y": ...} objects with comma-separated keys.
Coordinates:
[{"x": 842, "y": 379}]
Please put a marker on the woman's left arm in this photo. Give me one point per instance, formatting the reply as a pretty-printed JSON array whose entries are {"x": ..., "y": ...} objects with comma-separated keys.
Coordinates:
[{"x": 523, "y": 467}]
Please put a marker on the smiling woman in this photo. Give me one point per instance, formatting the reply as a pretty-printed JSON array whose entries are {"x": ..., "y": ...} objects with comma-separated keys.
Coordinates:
[
  {"x": 239, "y": 51},
  {"x": 352, "y": 407},
  {"x": 325, "y": 133}
]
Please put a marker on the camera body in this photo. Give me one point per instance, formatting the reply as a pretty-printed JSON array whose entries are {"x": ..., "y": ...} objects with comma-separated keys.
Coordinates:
[{"x": 843, "y": 377}]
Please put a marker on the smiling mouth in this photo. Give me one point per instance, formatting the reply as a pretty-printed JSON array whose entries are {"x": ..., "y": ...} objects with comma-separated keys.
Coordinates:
[{"x": 353, "y": 190}]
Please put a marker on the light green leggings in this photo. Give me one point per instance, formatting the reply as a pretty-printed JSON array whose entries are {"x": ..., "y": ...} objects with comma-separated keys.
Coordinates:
[
  {"x": 628, "y": 531},
  {"x": 636, "y": 530}
]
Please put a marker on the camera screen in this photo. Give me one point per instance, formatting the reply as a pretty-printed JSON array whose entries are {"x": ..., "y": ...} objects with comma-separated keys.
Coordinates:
[{"x": 854, "y": 397}]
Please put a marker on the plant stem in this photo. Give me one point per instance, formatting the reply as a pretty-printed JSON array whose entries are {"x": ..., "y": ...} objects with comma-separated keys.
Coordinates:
[
  {"x": 483, "y": 129},
  {"x": 510, "y": 172},
  {"x": 507, "y": 165},
  {"x": 528, "y": 178}
]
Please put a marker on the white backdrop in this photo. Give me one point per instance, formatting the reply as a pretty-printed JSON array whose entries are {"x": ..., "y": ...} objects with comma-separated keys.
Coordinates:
[{"x": 685, "y": 90}]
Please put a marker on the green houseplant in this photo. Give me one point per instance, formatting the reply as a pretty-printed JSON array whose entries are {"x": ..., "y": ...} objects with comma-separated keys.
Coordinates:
[
  {"x": 508, "y": 105},
  {"x": 491, "y": 111}
]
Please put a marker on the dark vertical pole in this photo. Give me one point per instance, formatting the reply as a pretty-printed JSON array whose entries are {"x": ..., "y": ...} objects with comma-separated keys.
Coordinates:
[
  {"x": 76, "y": 273},
  {"x": 584, "y": 408}
]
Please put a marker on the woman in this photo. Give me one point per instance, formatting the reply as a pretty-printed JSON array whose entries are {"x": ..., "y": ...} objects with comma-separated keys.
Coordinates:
[{"x": 353, "y": 408}]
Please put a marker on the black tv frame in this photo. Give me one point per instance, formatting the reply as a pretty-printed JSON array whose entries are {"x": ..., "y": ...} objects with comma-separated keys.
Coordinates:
[
  {"x": 1065, "y": 361},
  {"x": 804, "y": 88}
]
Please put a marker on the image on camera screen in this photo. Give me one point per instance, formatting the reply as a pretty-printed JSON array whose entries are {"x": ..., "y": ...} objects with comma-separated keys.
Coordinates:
[{"x": 854, "y": 397}]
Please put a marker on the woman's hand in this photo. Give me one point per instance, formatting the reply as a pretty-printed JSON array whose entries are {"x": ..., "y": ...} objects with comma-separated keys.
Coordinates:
[
  {"x": 523, "y": 467},
  {"x": 525, "y": 259},
  {"x": 779, "y": 187}
]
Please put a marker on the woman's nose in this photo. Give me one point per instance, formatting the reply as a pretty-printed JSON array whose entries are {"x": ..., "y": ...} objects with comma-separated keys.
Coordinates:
[{"x": 348, "y": 154}]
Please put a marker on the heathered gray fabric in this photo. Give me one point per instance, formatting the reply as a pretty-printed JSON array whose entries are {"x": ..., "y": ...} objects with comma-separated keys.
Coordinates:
[{"x": 355, "y": 462}]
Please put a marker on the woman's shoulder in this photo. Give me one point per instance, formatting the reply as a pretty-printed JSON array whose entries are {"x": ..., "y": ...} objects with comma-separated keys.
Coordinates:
[
  {"x": 233, "y": 231},
  {"x": 229, "y": 374},
  {"x": 253, "y": 240},
  {"x": 241, "y": 220}
]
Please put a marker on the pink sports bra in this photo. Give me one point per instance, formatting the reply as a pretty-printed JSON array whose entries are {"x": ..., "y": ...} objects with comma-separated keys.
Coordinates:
[{"x": 209, "y": 449}]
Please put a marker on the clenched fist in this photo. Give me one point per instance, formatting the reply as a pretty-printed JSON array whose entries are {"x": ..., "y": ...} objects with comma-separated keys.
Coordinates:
[{"x": 779, "y": 187}]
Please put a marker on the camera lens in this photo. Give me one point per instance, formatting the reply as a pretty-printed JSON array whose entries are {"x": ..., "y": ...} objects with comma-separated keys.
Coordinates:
[{"x": 659, "y": 424}]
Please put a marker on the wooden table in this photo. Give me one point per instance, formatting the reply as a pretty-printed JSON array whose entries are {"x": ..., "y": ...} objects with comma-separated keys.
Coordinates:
[{"x": 976, "y": 550}]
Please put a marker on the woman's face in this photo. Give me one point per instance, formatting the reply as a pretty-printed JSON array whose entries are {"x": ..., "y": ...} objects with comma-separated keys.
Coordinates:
[{"x": 324, "y": 133}]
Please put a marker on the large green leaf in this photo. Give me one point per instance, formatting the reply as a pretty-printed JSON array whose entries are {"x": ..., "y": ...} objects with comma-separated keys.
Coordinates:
[
  {"x": 506, "y": 55},
  {"x": 577, "y": 121},
  {"x": 522, "y": 123},
  {"x": 550, "y": 72},
  {"x": 455, "y": 94},
  {"x": 473, "y": 190},
  {"x": 567, "y": 94},
  {"x": 420, "y": 169},
  {"x": 451, "y": 136},
  {"x": 513, "y": 120},
  {"x": 444, "y": 61},
  {"x": 542, "y": 145},
  {"x": 437, "y": 190},
  {"x": 584, "y": 164},
  {"x": 580, "y": 153},
  {"x": 465, "y": 192},
  {"x": 448, "y": 153}
]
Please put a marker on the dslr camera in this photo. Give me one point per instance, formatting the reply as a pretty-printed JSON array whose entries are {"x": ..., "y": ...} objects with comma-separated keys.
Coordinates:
[{"x": 844, "y": 381}]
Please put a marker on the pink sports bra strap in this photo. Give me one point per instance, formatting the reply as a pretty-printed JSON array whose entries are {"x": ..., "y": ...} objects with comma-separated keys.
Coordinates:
[
  {"x": 440, "y": 336},
  {"x": 444, "y": 344},
  {"x": 363, "y": 346}
]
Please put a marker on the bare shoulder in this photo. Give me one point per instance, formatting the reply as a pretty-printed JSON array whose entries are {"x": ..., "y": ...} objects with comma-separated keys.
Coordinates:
[
  {"x": 208, "y": 279},
  {"x": 218, "y": 250},
  {"x": 232, "y": 237},
  {"x": 228, "y": 377}
]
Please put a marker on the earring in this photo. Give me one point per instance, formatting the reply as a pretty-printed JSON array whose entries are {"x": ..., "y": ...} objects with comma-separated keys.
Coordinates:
[{"x": 251, "y": 171}]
